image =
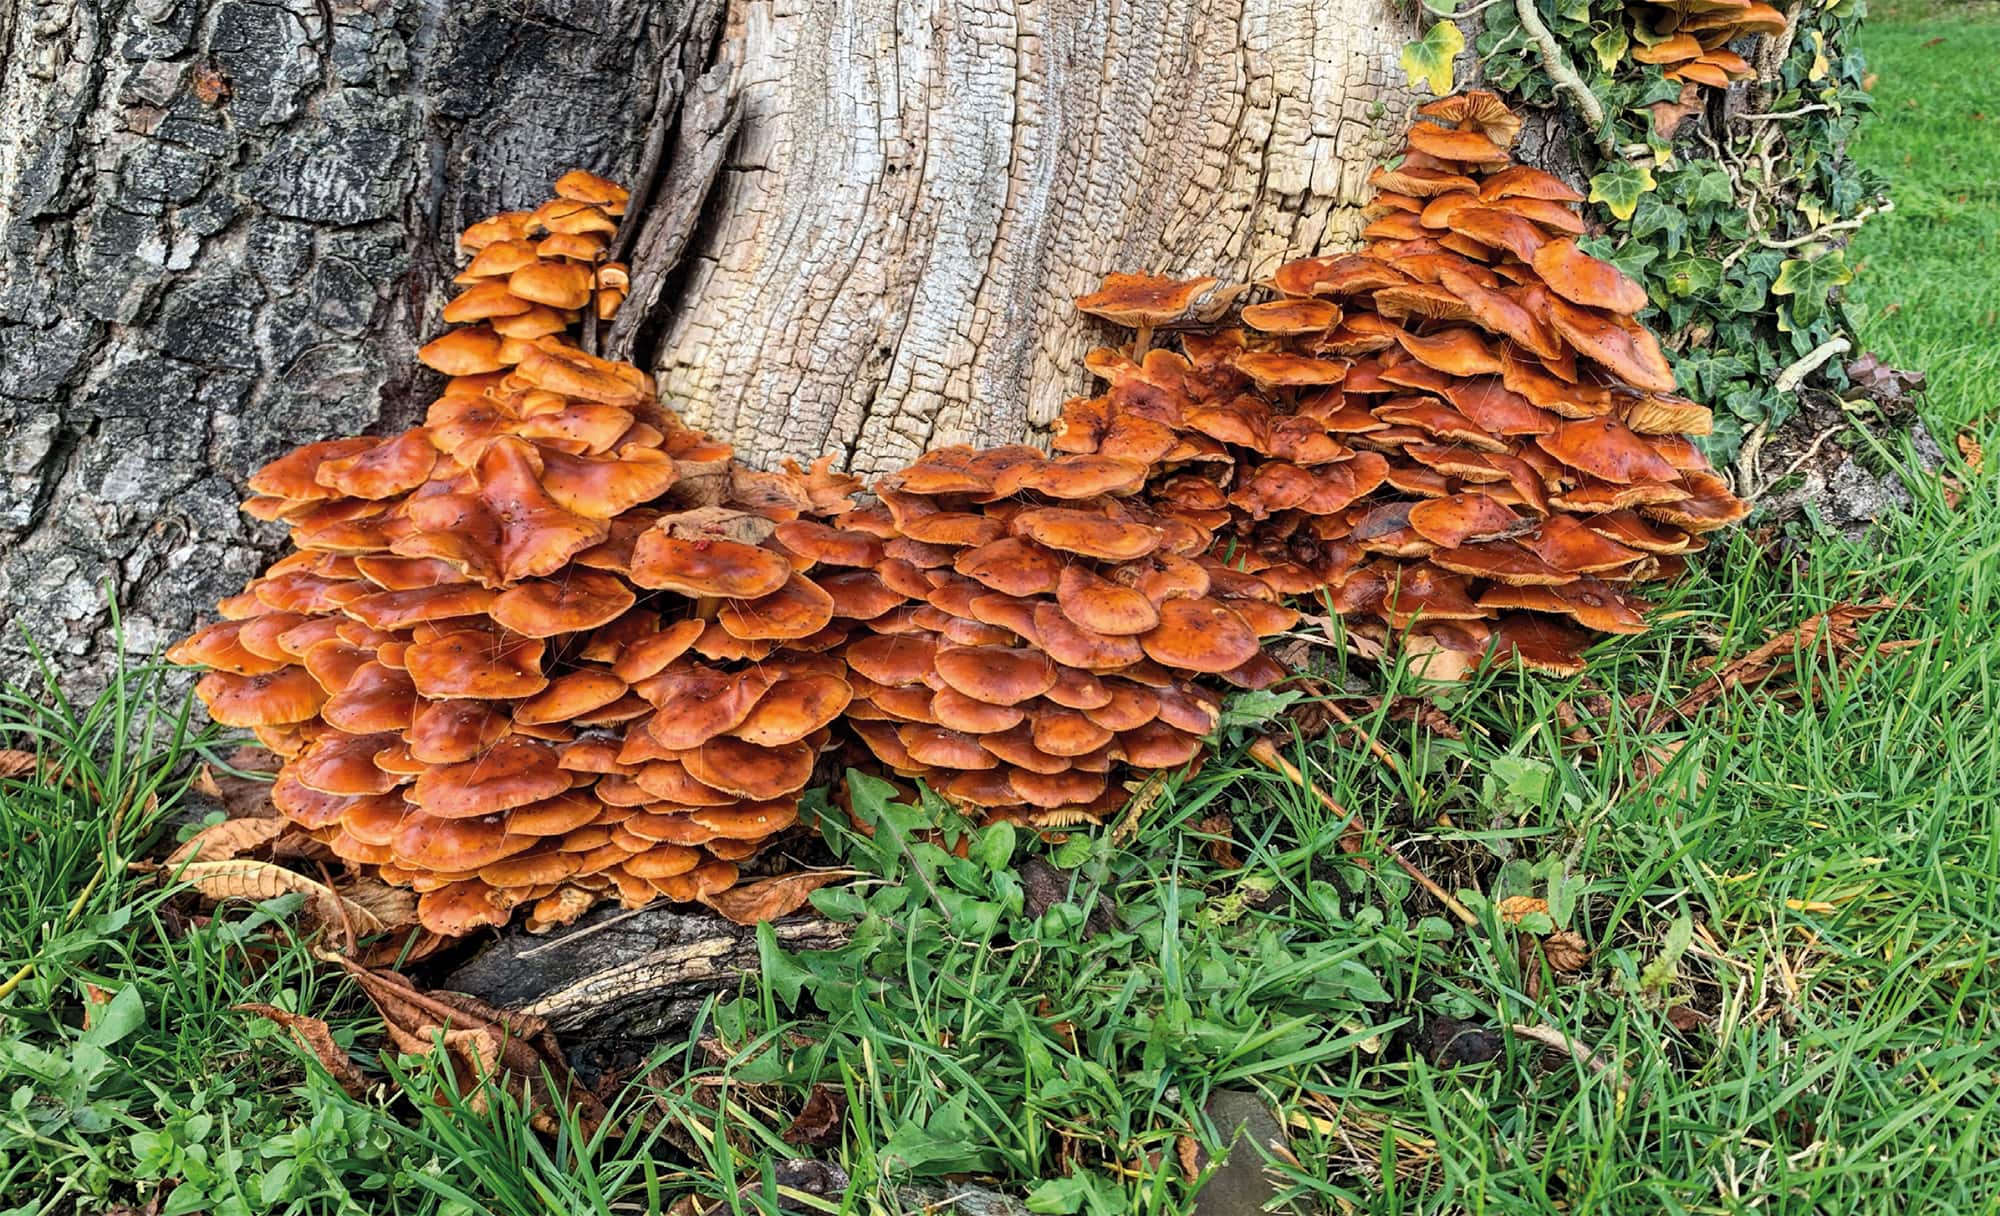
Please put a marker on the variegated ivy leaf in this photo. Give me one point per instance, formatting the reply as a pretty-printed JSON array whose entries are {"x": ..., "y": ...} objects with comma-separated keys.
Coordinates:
[
  {"x": 1429, "y": 58},
  {"x": 1620, "y": 186},
  {"x": 1610, "y": 46},
  {"x": 1809, "y": 280}
]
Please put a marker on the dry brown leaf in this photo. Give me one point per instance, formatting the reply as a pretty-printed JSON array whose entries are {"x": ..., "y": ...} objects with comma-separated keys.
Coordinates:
[
  {"x": 1432, "y": 660},
  {"x": 1566, "y": 951},
  {"x": 229, "y": 839},
  {"x": 765, "y": 899},
  {"x": 1515, "y": 908},
  {"x": 241, "y": 797},
  {"x": 1669, "y": 115},
  {"x": 1144, "y": 795},
  {"x": 403, "y": 945},
  {"x": 819, "y": 1122},
  {"x": 1188, "y": 1154},
  {"x": 1222, "y": 849},
  {"x": 17, "y": 763},
  {"x": 1975, "y": 456},
  {"x": 395, "y": 907},
  {"x": 484, "y": 1046},
  {"x": 316, "y": 1037},
  {"x": 242, "y": 878}
]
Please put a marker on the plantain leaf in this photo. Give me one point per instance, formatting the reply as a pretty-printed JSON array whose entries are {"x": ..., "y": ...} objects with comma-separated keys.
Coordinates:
[{"x": 1429, "y": 58}]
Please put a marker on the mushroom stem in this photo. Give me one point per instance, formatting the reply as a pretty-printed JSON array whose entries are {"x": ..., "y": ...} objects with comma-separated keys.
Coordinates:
[
  {"x": 1142, "y": 341},
  {"x": 1264, "y": 752}
]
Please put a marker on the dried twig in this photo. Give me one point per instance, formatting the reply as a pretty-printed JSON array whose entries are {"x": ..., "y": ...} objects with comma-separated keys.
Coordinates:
[
  {"x": 1549, "y": 1036},
  {"x": 1376, "y": 749},
  {"x": 1264, "y": 752},
  {"x": 1777, "y": 115}
]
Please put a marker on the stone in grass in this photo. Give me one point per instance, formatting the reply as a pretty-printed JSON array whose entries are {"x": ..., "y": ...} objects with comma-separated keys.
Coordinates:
[{"x": 1242, "y": 1186}]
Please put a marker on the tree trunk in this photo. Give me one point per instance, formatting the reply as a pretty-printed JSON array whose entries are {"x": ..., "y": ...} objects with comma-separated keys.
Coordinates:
[{"x": 227, "y": 224}]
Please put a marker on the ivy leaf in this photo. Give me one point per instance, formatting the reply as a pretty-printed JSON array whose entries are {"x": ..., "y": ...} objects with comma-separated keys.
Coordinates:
[
  {"x": 1443, "y": 8},
  {"x": 1429, "y": 58},
  {"x": 1620, "y": 186},
  {"x": 1713, "y": 186},
  {"x": 1809, "y": 280},
  {"x": 1689, "y": 275},
  {"x": 1610, "y": 46}
]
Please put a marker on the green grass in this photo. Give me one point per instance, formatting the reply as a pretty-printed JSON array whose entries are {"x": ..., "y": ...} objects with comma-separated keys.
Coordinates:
[
  {"x": 1926, "y": 295},
  {"x": 1795, "y": 927}
]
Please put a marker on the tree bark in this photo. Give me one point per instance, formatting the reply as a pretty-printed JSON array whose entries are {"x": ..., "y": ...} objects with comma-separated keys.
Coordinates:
[{"x": 227, "y": 224}]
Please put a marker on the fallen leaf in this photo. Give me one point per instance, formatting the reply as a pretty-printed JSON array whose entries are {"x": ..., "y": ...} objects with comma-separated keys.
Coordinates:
[
  {"x": 242, "y": 878},
  {"x": 485, "y": 1047},
  {"x": 228, "y": 839},
  {"x": 1685, "y": 1019},
  {"x": 819, "y": 1122},
  {"x": 17, "y": 763},
  {"x": 316, "y": 1037},
  {"x": 1432, "y": 660},
  {"x": 765, "y": 899},
  {"x": 241, "y": 797},
  {"x": 1975, "y": 456},
  {"x": 1566, "y": 951},
  {"x": 1669, "y": 115},
  {"x": 1188, "y": 1154},
  {"x": 1515, "y": 908},
  {"x": 1221, "y": 849}
]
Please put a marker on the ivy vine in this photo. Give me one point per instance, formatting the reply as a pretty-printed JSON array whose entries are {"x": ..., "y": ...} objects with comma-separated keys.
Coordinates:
[{"x": 1733, "y": 207}]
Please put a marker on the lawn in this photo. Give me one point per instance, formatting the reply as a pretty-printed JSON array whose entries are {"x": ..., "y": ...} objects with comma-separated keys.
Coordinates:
[{"x": 1789, "y": 904}]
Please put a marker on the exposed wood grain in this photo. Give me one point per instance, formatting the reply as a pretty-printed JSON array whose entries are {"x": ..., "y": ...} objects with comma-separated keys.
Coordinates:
[
  {"x": 629, "y": 975},
  {"x": 920, "y": 189}
]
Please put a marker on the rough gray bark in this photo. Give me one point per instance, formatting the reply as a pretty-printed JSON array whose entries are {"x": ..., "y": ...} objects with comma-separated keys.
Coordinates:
[
  {"x": 224, "y": 226},
  {"x": 227, "y": 224}
]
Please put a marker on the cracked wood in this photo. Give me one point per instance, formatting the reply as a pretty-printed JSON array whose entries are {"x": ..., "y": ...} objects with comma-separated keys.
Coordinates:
[{"x": 919, "y": 191}]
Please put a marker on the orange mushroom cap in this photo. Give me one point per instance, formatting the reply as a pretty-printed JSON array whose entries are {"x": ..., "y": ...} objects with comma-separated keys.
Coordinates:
[
  {"x": 1199, "y": 634},
  {"x": 707, "y": 567},
  {"x": 514, "y": 771},
  {"x": 1143, "y": 299}
]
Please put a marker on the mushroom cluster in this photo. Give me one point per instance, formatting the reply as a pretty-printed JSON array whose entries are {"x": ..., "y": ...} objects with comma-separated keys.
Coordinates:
[
  {"x": 1032, "y": 624},
  {"x": 534, "y": 651},
  {"x": 553, "y": 646},
  {"x": 1458, "y": 435},
  {"x": 1689, "y": 38}
]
